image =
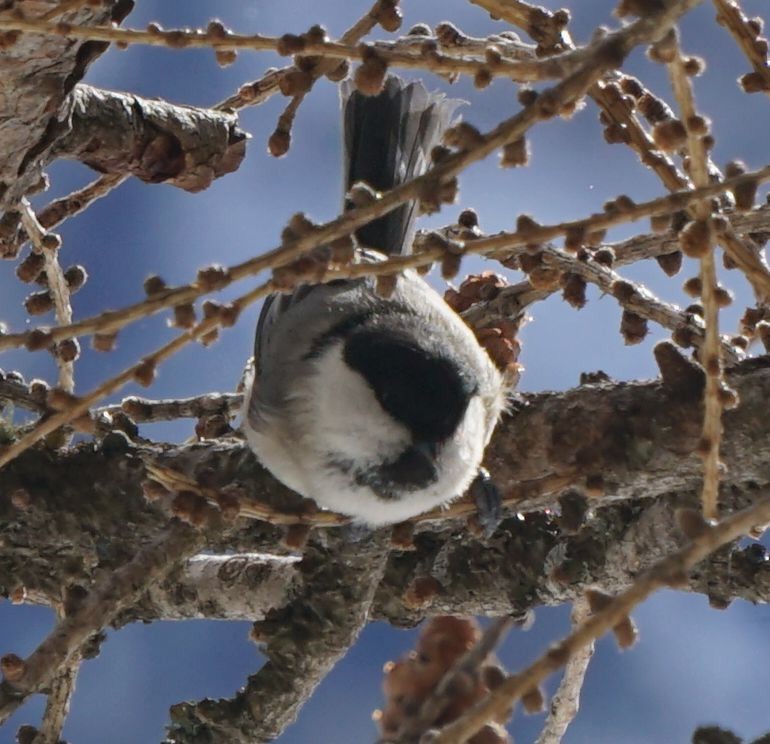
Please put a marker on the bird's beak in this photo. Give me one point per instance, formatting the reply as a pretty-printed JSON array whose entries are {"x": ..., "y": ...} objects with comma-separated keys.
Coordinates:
[{"x": 429, "y": 450}]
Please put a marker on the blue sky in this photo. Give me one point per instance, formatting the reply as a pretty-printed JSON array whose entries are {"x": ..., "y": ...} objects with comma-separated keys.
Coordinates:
[{"x": 693, "y": 665}]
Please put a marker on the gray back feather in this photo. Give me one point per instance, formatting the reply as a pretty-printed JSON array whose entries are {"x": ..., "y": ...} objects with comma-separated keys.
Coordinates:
[{"x": 387, "y": 141}]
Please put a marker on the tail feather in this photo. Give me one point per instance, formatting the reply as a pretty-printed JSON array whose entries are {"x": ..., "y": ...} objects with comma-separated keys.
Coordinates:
[{"x": 387, "y": 141}]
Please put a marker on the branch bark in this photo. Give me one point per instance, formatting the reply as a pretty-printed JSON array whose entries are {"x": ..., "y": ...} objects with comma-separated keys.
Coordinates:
[
  {"x": 110, "y": 594},
  {"x": 155, "y": 141},
  {"x": 37, "y": 74},
  {"x": 305, "y": 638},
  {"x": 85, "y": 508}
]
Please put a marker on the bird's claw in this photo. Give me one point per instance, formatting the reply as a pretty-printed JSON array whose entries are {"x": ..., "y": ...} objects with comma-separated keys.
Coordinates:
[{"x": 488, "y": 500}]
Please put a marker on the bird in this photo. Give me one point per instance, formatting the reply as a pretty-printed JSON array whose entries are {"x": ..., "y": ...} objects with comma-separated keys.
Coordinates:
[{"x": 378, "y": 408}]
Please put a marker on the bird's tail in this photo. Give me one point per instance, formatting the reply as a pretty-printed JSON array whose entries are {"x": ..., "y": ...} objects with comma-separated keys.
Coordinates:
[{"x": 387, "y": 141}]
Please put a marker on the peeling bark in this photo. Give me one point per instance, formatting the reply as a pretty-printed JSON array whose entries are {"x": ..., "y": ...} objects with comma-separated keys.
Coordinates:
[{"x": 244, "y": 586}]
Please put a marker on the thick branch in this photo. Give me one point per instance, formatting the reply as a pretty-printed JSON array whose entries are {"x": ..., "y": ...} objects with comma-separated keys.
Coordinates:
[
  {"x": 36, "y": 76},
  {"x": 245, "y": 586},
  {"x": 527, "y": 564},
  {"x": 111, "y": 594},
  {"x": 306, "y": 638},
  {"x": 155, "y": 141},
  {"x": 58, "y": 703},
  {"x": 638, "y": 436}
]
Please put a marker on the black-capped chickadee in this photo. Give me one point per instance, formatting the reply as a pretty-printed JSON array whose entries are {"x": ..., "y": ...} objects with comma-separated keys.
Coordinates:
[{"x": 376, "y": 408}]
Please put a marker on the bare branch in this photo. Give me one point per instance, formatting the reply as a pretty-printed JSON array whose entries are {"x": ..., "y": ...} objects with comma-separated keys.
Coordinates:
[
  {"x": 59, "y": 210},
  {"x": 47, "y": 245},
  {"x": 609, "y": 96},
  {"x": 749, "y": 260},
  {"x": 58, "y": 703},
  {"x": 34, "y": 116},
  {"x": 119, "y": 133},
  {"x": 502, "y": 244},
  {"x": 17, "y": 392},
  {"x": 143, "y": 372},
  {"x": 731, "y": 16},
  {"x": 657, "y": 244},
  {"x": 285, "y": 79},
  {"x": 637, "y": 437},
  {"x": 401, "y": 54},
  {"x": 143, "y": 410},
  {"x": 638, "y": 299},
  {"x": 566, "y": 701},
  {"x": 631, "y": 453},
  {"x": 545, "y": 27},
  {"x": 711, "y": 353}
]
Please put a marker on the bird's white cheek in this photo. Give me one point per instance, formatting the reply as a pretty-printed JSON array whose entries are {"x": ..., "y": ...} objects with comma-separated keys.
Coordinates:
[
  {"x": 347, "y": 419},
  {"x": 461, "y": 455}
]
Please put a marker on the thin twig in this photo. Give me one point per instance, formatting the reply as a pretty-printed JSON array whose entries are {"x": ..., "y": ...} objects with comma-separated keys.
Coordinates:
[
  {"x": 143, "y": 410},
  {"x": 566, "y": 701},
  {"x": 643, "y": 30},
  {"x": 57, "y": 286},
  {"x": 256, "y": 92},
  {"x": 637, "y": 137},
  {"x": 396, "y": 54},
  {"x": 665, "y": 573},
  {"x": 146, "y": 366},
  {"x": 393, "y": 53},
  {"x": 650, "y": 245},
  {"x": 549, "y": 31},
  {"x": 731, "y": 16},
  {"x": 749, "y": 261},
  {"x": 457, "y": 43},
  {"x": 19, "y": 394},
  {"x": 174, "y": 481},
  {"x": 711, "y": 354},
  {"x": 545, "y": 27},
  {"x": 639, "y": 300},
  {"x": 501, "y": 244},
  {"x": 252, "y": 94},
  {"x": 78, "y": 201},
  {"x": 636, "y": 298}
]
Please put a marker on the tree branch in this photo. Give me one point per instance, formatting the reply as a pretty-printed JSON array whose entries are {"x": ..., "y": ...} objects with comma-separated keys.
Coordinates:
[
  {"x": 666, "y": 572},
  {"x": 638, "y": 436},
  {"x": 566, "y": 701},
  {"x": 37, "y": 75},
  {"x": 155, "y": 141},
  {"x": 113, "y": 593},
  {"x": 305, "y": 639}
]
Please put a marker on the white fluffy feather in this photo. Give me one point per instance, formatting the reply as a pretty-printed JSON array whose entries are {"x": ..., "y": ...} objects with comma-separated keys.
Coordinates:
[{"x": 341, "y": 415}]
